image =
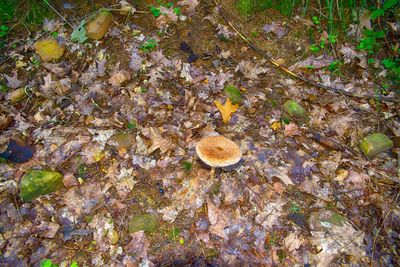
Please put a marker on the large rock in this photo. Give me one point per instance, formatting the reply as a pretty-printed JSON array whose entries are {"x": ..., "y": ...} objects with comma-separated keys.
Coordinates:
[
  {"x": 36, "y": 183},
  {"x": 375, "y": 144},
  {"x": 49, "y": 49},
  {"x": 97, "y": 28},
  {"x": 143, "y": 222}
]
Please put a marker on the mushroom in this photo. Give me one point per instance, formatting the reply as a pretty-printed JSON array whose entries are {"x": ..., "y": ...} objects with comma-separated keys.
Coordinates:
[{"x": 218, "y": 152}]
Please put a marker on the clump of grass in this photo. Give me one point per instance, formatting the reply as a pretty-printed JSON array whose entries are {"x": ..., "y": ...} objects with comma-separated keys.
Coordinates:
[{"x": 30, "y": 12}]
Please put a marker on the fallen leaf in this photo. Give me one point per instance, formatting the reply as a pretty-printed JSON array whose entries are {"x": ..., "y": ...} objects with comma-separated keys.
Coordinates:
[
  {"x": 138, "y": 245},
  {"x": 219, "y": 219},
  {"x": 275, "y": 28},
  {"x": 293, "y": 241},
  {"x": 47, "y": 229},
  {"x": 226, "y": 110},
  {"x": 79, "y": 34},
  {"x": 157, "y": 142},
  {"x": 291, "y": 129},
  {"x": 276, "y": 125},
  {"x": 192, "y": 4},
  {"x": 119, "y": 77},
  {"x": 13, "y": 81},
  {"x": 250, "y": 70},
  {"x": 59, "y": 69},
  {"x": 190, "y": 196},
  {"x": 339, "y": 239}
]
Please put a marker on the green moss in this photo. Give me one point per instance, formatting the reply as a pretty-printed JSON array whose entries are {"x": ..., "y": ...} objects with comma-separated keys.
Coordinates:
[{"x": 294, "y": 110}]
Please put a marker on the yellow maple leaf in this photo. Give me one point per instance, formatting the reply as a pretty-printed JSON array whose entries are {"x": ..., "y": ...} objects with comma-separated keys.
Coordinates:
[
  {"x": 276, "y": 125},
  {"x": 226, "y": 110}
]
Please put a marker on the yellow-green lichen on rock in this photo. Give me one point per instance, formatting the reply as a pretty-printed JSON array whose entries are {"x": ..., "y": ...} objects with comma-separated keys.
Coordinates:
[
  {"x": 37, "y": 183},
  {"x": 49, "y": 49}
]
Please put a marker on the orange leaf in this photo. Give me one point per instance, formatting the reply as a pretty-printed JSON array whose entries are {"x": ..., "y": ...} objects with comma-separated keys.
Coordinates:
[{"x": 226, "y": 110}]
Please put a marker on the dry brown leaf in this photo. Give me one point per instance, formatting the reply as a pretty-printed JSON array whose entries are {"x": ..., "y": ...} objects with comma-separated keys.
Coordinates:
[
  {"x": 119, "y": 77},
  {"x": 219, "y": 219},
  {"x": 157, "y": 142},
  {"x": 138, "y": 245},
  {"x": 291, "y": 129}
]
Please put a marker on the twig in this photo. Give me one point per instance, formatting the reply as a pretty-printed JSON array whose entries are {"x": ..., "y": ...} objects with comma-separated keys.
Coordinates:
[{"x": 289, "y": 72}]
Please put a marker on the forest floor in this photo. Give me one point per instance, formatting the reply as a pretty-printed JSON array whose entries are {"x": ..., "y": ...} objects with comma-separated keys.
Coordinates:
[{"x": 120, "y": 117}]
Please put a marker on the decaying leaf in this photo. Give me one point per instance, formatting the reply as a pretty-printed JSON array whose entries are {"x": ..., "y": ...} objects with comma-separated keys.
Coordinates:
[
  {"x": 119, "y": 77},
  {"x": 13, "y": 81},
  {"x": 157, "y": 142},
  {"x": 277, "y": 29},
  {"x": 191, "y": 4},
  {"x": 138, "y": 245},
  {"x": 250, "y": 70},
  {"x": 339, "y": 239},
  {"x": 190, "y": 196},
  {"x": 226, "y": 110}
]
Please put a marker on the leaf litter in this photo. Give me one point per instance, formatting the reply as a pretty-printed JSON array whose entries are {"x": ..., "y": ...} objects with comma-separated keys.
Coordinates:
[{"x": 292, "y": 200}]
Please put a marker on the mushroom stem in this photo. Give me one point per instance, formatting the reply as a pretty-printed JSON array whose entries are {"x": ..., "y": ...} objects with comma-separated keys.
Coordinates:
[{"x": 212, "y": 173}]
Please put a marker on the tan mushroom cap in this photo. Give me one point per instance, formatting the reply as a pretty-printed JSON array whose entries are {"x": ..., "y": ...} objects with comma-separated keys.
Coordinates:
[{"x": 218, "y": 151}]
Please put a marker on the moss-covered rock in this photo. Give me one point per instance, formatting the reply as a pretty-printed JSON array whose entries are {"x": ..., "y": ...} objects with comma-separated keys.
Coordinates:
[
  {"x": 98, "y": 27},
  {"x": 293, "y": 109},
  {"x": 49, "y": 49},
  {"x": 143, "y": 222},
  {"x": 36, "y": 183},
  {"x": 375, "y": 144}
]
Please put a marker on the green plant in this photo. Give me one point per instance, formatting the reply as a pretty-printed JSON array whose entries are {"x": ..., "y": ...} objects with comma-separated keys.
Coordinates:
[
  {"x": 156, "y": 11},
  {"x": 7, "y": 10},
  {"x": 79, "y": 34},
  {"x": 177, "y": 11},
  {"x": 148, "y": 46},
  {"x": 4, "y": 30},
  {"x": 3, "y": 88},
  {"x": 187, "y": 166},
  {"x": 82, "y": 170},
  {"x": 315, "y": 20},
  {"x": 393, "y": 67},
  {"x": 294, "y": 208},
  {"x": 334, "y": 67},
  {"x": 132, "y": 125},
  {"x": 49, "y": 263},
  {"x": 387, "y": 5},
  {"x": 315, "y": 48},
  {"x": 369, "y": 41},
  {"x": 174, "y": 234},
  {"x": 332, "y": 38}
]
